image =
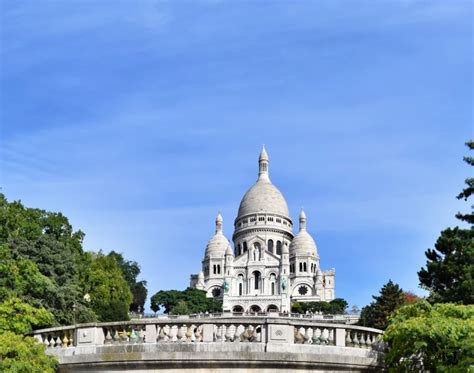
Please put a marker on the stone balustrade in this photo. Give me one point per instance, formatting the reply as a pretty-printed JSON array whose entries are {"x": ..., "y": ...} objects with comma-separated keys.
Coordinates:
[
  {"x": 261, "y": 342},
  {"x": 214, "y": 328}
]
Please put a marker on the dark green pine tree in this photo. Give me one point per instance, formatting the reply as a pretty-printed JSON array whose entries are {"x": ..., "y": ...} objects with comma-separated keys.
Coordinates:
[
  {"x": 449, "y": 272},
  {"x": 469, "y": 190},
  {"x": 376, "y": 314}
]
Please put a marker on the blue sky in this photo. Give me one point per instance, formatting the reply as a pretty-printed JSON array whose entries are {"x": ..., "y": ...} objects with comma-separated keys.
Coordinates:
[{"x": 140, "y": 120}]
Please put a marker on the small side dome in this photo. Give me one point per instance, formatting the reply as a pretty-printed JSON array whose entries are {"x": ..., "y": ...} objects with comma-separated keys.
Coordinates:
[
  {"x": 228, "y": 251},
  {"x": 303, "y": 243},
  {"x": 218, "y": 244}
]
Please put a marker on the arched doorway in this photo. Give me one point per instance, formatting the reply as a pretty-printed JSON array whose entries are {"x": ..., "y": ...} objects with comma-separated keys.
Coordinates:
[
  {"x": 272, "y": 308},
  {"x": 255, "y": 308},
  {"x": 238, "y": 309}
]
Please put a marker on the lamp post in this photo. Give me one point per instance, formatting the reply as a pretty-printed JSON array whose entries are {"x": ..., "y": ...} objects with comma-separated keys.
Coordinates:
[{"x": 74, "y": 309}]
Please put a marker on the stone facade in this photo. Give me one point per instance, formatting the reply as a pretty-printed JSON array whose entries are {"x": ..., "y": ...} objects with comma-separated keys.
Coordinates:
[{"x": 269, "y": 266}]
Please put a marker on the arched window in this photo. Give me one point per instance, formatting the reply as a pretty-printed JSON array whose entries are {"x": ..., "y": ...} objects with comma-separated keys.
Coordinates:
[
  {"x": 301, "y": 267},
  {"x": 219, "y": 269},
  {"x": 270, "y": 246},
  {"x": 278, "y": 247},
  {"x": 304, "y": 267},
  {"x": 273, "y": 288},
  {"x": 245, "y": 246},
  {"x": 239, "y": 249},
  {"x": 256, "y": 276},
  {"x": 214, "y": 269},
  {"x": 240, "y": 279}
]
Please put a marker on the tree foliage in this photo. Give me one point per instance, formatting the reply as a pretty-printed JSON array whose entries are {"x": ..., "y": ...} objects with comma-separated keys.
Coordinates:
[
  {"x": 337, "y": 306},
  {"x": 469, "y": 189},
  {"x": 108, "y": 289},
  {"x": 424, "y": 337},
  {"x": 19, "y": 317},
  {"x": 131, "y": 270},
  {"x": 188, "y": 301},
  {"x": 376, "y": 314},
  {"x": 20, "y": 354},
  {"x": 42, "y": 262},
  {"x": 449, "y": 271}
]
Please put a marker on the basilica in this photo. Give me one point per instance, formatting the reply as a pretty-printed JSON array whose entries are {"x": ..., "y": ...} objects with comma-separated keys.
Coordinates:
[{"x": 269, "y": 267}]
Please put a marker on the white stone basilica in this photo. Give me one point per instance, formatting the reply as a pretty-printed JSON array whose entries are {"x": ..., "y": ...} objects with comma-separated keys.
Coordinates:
[{"x": 269, "y": 266}]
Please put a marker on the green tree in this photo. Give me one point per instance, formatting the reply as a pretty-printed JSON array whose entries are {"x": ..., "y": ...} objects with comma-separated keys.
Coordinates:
[
  {"x": 108, "y": 289},
  {"x": 376, "y": 314},
  {"x": 131, "y": 270},
  {"x": 449, "y": 271},
  {"x": 166, "y": 299},
  {"x": 20, "y": 354},
  {"x": 337, "y": 306},
  {"x": 424, "y": 337},
  {"x": 194, "y": 299},
  {"x": 19, "y": 317},
  {"x": 469, "y": 190},
  {"x": 180, "y": 309}
]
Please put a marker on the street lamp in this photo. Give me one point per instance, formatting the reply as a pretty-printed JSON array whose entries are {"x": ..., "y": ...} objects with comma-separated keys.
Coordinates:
[{"x": 74, "y": 309}]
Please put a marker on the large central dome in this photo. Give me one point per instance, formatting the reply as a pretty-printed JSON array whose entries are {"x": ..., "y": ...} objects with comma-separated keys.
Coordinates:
[{"x": 263, "y": 196}]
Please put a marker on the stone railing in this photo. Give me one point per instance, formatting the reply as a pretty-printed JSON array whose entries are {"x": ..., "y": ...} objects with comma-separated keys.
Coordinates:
[{"x": 211, "y": 329}]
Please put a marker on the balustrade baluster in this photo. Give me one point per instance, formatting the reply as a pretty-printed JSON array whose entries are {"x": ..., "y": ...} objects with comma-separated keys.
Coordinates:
[
  {"x": 299, "y": 338},
  {"x": 65, "y": 340},
  {"x": 198, "y": 334},
  {"x": 46, "y": 340},
  {"x": 307, "y": 336},
  {"x": 229, "y": 334},
  {"x": 71, "y": 337},
  {"x": 355, "y": 340},
  {"x": 133, "y": 336},
  {"x": 362, "y": 342},
  {"x": 57, "y": 341},
  {"x": 189, "y": 333},
  {"x": 179, "y": 334},
  {"x": 124, "y": 336},
  {"x": 173, "y": 334},
  {"x": 331, "y": 336},
  {"x": 237, "y": 332},
  {"x": 317, "y": 336},
  {"x": 348, "y": 338},
  {"x": 108, "y": 337}
]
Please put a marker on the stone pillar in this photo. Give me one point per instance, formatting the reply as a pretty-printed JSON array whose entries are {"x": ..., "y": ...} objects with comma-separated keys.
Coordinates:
[
  {"x": 150, "y": 333},
  {"x": 278, "y": 333},
  {"x": 90, "y": 336},
  {"x": 340, "y": 337},
  {"x": 208, "y": 333}
]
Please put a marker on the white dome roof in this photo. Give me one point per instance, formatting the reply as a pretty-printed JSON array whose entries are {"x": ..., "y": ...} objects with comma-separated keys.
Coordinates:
[
  {"x": 218, "y": 244},
  {"x": 263, "y": 197},
  {"x": 303, "y": 243}
]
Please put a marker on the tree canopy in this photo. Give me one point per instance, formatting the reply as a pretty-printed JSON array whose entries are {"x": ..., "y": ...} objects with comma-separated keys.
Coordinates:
[
  {"x": 337, "y": 306},
  {"x": 181, "y": 302},
  {"x": 131, "y": 270},
  {"x": 44, "y": 271},
  {"x": 424, "y": 337},
  {"x": 377, "y": 313},
  {"x": 449, "y": 271}
]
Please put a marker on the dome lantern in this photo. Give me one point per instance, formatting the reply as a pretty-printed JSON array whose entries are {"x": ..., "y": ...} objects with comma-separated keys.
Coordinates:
[{"x": 263, "y": 164}]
